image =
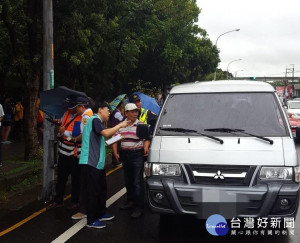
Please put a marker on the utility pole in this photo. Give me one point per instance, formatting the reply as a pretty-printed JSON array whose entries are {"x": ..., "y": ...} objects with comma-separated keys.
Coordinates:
[
  {"x": 48, "y": 83},
  {"x": 288, "y": 71},
  {"x": 285, "y": 83},
  {"x": 293, "y": 71}
]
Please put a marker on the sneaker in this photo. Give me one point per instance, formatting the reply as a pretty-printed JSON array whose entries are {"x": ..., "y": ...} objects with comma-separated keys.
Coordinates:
[
  {"x": 97, "y": 224},
  {"x": 107, "y": 217},
  {"x": 137, "y": 213},
  {"x": 79, "y": 216},
  {"x": 6, "y": 142},
  {"x": 127, "y": 205}
]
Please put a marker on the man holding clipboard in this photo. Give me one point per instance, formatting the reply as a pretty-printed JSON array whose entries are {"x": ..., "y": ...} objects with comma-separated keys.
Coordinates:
[{"x": 92, "y": 162}]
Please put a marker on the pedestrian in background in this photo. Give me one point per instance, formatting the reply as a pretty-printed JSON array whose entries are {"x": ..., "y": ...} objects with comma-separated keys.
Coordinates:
[
  {"x": 92, "y": 161},
  {"x": 7, "y": 121},
  {"x": 133, "y": 150},
  {"x": 160, "y": 100},
  {"x": 18, "y": 120},
  {"x": 1, "y": 117},
  {"x": 115, "y": 118}
]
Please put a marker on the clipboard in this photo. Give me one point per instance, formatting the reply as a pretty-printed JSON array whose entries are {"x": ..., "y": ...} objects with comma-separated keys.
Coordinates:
[{"x": 114, "y": 139}]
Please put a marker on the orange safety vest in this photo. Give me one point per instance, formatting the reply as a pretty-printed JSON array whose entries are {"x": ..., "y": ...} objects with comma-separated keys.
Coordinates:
[
  {"x": 84, "y": 121},
  {"x": 66, "y": 146}
]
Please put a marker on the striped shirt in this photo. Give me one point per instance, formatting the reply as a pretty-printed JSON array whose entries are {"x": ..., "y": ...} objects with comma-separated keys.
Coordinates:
[{"x": 131, "y": 141}]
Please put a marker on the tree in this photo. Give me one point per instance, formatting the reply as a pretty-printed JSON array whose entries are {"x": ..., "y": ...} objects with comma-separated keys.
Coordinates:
[
  {"x": 176, "y": 50},
  {"x": 21, "y": 31},
  {"x": 220, "y": 75},
  {"x": 103, "y": 47}
]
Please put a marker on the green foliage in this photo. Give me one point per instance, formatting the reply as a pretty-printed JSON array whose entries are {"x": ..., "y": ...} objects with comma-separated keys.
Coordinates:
[
  {"x": 102, "y": 47},
  {"x": 144, "y": 87},
  {"x": 220, "y": 75},
  {"x": 22, "y": 166},
  {"x": 126, "y": 41},
  {"x": 22, "y": 177}
]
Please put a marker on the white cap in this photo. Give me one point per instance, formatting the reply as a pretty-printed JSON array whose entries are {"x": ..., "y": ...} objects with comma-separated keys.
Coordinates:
[{"x": 130, "y": 107}]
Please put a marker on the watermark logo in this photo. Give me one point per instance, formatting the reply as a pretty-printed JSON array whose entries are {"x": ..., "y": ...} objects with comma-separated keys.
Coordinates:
[{"x": 216, "y": 225}]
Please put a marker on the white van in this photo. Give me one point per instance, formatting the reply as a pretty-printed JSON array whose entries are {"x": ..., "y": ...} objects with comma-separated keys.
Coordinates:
[{"x": 223, "y": 147}]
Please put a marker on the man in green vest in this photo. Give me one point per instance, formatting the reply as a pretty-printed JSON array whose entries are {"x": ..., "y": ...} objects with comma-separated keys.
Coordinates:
[
  {"x": 146, "y": 116},
  {"x": 92, "y": 162}
]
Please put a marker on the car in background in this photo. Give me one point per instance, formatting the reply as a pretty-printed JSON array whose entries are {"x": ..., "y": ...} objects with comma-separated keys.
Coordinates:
[
  {"x": 293, "y": 107},
  {"x": 295, "y": 127}
]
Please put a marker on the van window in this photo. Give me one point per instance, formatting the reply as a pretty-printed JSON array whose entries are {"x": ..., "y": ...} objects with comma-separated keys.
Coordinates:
[{"x": 255, "y": 113}]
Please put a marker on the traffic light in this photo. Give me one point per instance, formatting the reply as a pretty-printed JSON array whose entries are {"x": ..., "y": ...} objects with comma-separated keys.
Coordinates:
[{"x": 253, "y": 78}]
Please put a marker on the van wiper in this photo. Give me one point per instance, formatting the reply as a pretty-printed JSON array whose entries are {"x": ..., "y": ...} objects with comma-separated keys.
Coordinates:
[
  {"x": 229, "y": 130},
  {"x": 184, "y": 130},
  {"x": 177, "y": 129}
]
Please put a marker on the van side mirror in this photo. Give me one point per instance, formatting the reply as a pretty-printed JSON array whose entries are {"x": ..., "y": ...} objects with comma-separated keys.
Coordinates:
[{"x": 143, "y": 131}]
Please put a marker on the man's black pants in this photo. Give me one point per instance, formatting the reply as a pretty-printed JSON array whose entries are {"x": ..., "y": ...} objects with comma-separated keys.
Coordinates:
[
  {"x": 67, "y": 165},
  {"x": 133, "y": 166},
  {"x": 93, "y": 192}
]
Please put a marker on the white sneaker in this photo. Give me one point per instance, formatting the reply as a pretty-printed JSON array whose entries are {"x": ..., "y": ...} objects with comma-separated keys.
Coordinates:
[{"x": 79, "y": 216}]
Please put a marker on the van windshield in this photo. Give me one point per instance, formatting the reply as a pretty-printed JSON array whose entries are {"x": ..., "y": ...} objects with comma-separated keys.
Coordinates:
[{"x": 255, "y": 113}]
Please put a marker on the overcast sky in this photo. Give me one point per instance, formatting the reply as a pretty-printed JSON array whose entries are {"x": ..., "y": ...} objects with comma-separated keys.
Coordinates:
[{"x": 269, "y": 38}]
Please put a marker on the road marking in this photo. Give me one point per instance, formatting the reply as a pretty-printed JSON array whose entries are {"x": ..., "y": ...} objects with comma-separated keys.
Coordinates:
[
  {"x": 22, "y": 222},
  {"x": 79, "y": 225},
  {"x": 45, "y": 209}
]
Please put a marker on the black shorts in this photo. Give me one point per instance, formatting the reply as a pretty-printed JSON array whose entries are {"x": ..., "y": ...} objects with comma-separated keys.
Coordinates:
[{"x": 6, "y": 123}]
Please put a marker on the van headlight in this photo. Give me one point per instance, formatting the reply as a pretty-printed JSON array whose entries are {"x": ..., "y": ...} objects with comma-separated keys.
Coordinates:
[
  {"x": 276, "y": 173},
  {"x": 297, "y": 174},
  {"x": 166, "y": 169}
]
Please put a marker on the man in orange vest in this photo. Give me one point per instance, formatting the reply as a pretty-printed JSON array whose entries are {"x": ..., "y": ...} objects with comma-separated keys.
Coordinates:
[
  {"x": 68, "y": 131},
  {"x": 83, "y": 110}
]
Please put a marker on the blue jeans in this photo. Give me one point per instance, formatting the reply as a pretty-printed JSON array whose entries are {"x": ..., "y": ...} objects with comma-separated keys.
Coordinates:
[{"x": 133, "y": 165}]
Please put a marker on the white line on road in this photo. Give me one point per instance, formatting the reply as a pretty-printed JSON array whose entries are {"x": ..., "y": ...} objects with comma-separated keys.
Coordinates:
[{"x": 79, "y": 225}]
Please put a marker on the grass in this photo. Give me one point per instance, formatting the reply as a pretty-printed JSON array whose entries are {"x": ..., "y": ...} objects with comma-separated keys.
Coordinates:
[
  {"x": 22, "y": 181},
  {"x": 20, "y": 166},
  {"x": 27, "y": 183}
]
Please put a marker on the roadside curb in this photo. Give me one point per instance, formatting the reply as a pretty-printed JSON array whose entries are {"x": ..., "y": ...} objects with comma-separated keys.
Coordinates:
[{"x": 8, "y": 181}]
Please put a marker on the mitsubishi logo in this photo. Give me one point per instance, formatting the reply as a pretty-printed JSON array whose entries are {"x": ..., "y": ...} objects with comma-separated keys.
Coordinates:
[{"x": 219, "y": 175}]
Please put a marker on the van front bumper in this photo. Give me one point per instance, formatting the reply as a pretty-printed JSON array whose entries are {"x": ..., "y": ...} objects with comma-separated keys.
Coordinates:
[{"x": 274, "y": 199}]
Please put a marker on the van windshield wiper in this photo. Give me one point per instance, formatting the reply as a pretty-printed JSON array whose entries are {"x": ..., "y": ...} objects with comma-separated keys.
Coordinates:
[
  {"x": 184, "y": 130},
  {"x": 230, "y": 130}
]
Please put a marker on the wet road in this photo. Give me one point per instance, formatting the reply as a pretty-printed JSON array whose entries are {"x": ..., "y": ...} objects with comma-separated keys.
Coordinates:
[{"x": 56, "y": 225}]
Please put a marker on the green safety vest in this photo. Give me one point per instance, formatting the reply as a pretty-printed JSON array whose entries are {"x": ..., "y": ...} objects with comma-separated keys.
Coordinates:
[{"x": 143, "y": 116}]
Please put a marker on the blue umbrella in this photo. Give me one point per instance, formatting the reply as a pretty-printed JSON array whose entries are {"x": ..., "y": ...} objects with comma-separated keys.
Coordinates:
[
  {"x": 148, "y": 103},
  {"x": 53, "y": 100}
]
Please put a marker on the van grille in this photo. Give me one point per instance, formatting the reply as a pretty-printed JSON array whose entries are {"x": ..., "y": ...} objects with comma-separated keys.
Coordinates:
[{"x": 221, "y": 175}]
